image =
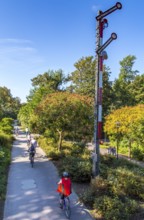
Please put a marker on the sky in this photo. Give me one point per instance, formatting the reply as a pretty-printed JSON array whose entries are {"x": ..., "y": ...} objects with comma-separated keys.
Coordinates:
[{"x": 41, "y": 35}]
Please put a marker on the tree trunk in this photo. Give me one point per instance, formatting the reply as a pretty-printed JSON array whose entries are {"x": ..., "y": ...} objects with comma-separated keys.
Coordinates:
[
  {"x": 60, "y": 141},
  {"x": 129, "y": 153}
]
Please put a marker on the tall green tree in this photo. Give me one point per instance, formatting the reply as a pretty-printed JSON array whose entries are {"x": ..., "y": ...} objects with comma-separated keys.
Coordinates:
[
  {"x": 9, "y": 106},
  {"x": 137, "y": 89},
  {"x": 83, "y": 80},
  {"x": 42, "y": 84},
  {"x": 122, "y": 85},
  {"x": 48, "y": 82}
]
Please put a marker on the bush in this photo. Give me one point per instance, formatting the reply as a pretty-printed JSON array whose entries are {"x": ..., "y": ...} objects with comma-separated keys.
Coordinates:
[
  {"x": 98, "y": 187},
  {"x": 138, "y": 154},
  {"x": 88, "y": 197},
  {"x": 114, "y": 209},
  {"x": 5, "y": 140},
  {"x": 79, "y": 169},
  {"x": 6, "y": 125},
  {"x": 124, "y": 182},
  {"x": 5, "y": 158}
]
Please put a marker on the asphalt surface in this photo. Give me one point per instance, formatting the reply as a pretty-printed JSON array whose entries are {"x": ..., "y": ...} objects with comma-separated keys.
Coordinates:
[{"x": 31, "y": 192}]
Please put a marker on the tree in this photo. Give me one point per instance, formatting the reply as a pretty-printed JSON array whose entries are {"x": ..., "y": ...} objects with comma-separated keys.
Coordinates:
[
  {"x": 43, "y": 84},
  {"x": 65, "y": 115},
  {"x": 9, "y": 106},
  {"x": 137, "y": 89},
  {"x": 83, "y": 78},
  {"x": 122, "y": 85},
  {"x": 50, "y": 81},
  {"x": 131, "y": 124},
  {"x": 108, "y": 95},
  {"x": 83, "y": 81}
]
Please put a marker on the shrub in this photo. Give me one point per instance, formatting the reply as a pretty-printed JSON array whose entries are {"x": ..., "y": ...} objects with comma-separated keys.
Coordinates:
[
  {"x": 138, "y": 154},
  {"x": 6, "y": 125},
  {"x": 5, "y": 140},
  {"x": 114, "y": 209},
  {"x": 79, "y": 169},
  {"x": 5, "y": 158},
  {"x": 87, "y": 197},
  {"x": 98, "y": 187},
  {"x": 124, "y": 182}
]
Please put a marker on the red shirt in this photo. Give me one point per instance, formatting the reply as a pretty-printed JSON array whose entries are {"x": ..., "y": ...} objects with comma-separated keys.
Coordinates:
[{"x": 64, "y": 186}]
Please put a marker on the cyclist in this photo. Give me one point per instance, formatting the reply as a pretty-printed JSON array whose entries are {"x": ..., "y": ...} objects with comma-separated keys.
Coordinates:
[
  {"x": 33, "y": 142},
  {"x": 32, "y": 148},
  {"x": 17, "y": 131},
  {"x": 64, "y": 187},
  {"x": 29, "y": 139},
  {"x": 26, "y": 131}
]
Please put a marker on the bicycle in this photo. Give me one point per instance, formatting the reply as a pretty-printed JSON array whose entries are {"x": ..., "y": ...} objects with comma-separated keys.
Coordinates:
[
  {"x": 65, "y": 205},
  {"x": 31, "y": 157}
]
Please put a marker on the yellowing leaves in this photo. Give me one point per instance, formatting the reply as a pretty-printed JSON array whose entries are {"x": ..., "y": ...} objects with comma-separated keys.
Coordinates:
[{"x": 128, "y": 117}]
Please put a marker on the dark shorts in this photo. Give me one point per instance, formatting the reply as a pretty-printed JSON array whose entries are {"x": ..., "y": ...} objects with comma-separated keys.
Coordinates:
[{"x": 62, "y": 196}]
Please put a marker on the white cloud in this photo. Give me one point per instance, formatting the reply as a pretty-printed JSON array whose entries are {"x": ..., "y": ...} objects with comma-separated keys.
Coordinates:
[
  {"x": 18, "y": 55},
  {"x": 16, "y": 49},
  {"x": 13, "y": 40}
]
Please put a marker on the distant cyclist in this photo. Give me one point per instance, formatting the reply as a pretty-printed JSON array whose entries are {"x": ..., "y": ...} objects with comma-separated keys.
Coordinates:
[
  {"x": 64, "y": 187},
  {"x": 32, "y": 148},
  {"x": 26, "y": 131},
  {"x": 17, "y": 131},
  {"x": 29, "y": 139},
  {"x": 34, "y": 142}
]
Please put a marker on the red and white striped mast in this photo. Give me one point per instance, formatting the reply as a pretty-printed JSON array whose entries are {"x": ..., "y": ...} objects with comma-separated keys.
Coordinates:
[{"x": 100, "y": 56}]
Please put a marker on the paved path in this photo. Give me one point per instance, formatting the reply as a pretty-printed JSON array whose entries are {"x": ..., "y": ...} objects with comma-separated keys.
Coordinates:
[{"x": 31, "y": 192}]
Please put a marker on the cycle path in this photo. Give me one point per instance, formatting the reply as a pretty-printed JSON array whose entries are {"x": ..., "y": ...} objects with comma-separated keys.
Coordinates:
[{"x": 31, "y": 192}]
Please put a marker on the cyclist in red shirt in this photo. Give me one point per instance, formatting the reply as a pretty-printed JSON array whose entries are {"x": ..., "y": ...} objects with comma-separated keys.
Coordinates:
[{"x": 64, "y": 187}]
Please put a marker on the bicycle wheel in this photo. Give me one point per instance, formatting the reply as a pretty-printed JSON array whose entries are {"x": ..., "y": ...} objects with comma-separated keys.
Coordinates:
[
  {"x": 32, "y": 160},
  {"x": 67, "y": 208}
]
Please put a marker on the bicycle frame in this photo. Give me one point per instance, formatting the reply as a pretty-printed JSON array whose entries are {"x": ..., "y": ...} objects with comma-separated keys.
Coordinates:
[
  {"x": 66, "y": 207},
  {"x": 31, "y": 158}
]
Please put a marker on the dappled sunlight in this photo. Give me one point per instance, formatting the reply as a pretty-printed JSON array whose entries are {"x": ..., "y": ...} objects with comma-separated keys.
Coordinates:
[{"x": 31, "y": 192}]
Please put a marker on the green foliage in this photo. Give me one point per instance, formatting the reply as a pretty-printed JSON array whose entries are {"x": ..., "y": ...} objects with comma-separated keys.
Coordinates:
[
  {"x": 126, "y": 125},
  {"x": 5, "y": 158},
  {"x": 65, "y": 114},
  {"x": 87, "y": 197},
  {"x": 115, "y": 209},
  {"x": 79, "y": 169},
  {"x": 2, "y": 154},
  {"x": 137, "y": 89},
  {"x": 5, "y": 139},
  {"x": 74, "y": 158},
  {"x": 82, "y": 81},
  {"x": 2, "y": 184},
  {"x": 9, "y": 106},
  {"x": 116, "y": 193},
  {"x": 83, "y": 77},
  {"x": 121, "y": 86},
  {"x": 43, "y": 84},
  {"x": 6, "y": 125},
  {"x": 138, "y": 153}
]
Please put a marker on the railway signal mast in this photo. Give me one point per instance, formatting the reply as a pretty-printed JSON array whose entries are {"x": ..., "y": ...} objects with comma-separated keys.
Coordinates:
[{"x": 100, "y": 56}]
